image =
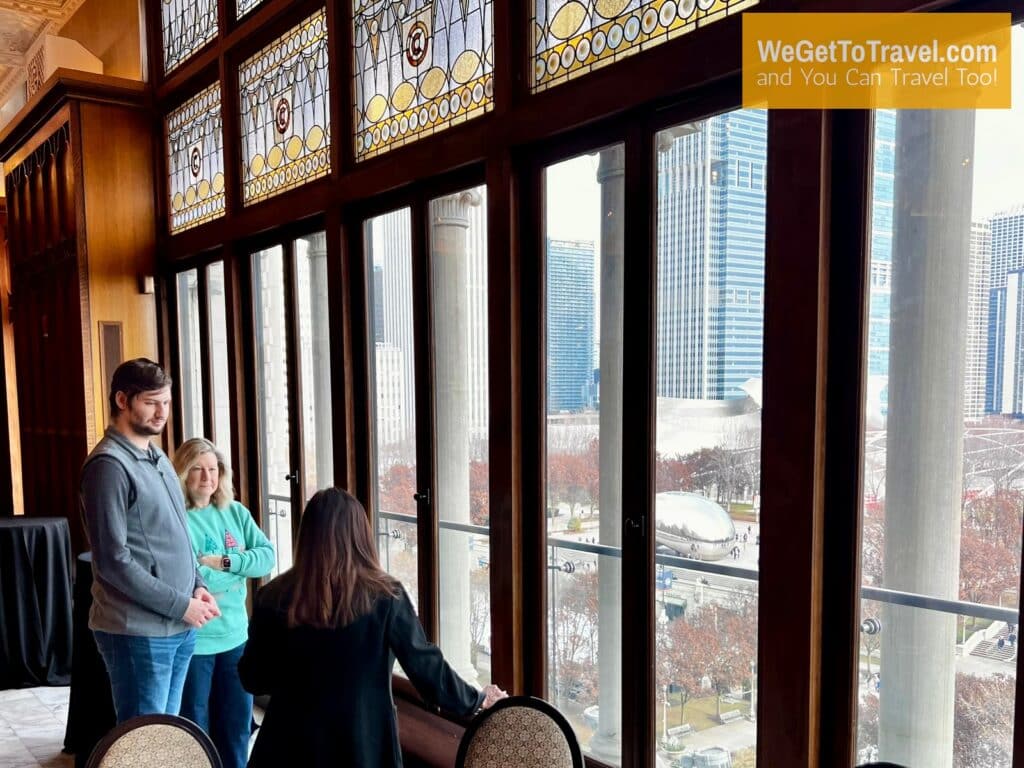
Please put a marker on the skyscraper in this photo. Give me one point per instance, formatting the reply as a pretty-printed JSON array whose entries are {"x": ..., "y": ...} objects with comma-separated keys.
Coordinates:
[
  {"x": 1004, "y": 364},
  {"x": 976, "y": 361},
  {"x": 570, "y": 328},
  {"x": 711, "y": 223},
  {"x": 880, "y": 283}
]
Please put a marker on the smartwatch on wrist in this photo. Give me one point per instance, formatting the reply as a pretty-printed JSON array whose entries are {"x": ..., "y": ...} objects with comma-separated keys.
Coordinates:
[{"x": 225, "y": 563}]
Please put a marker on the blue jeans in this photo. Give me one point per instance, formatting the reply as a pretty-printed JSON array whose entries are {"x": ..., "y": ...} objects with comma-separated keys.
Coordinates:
[
  {"x": 146, "y": 673},
  {"x": 215, "y": 700}
]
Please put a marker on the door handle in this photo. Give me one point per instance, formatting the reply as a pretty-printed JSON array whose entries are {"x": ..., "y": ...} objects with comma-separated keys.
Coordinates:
[
  {"x": 292, "y": 476},
  {"x": 422, "y": 496}
]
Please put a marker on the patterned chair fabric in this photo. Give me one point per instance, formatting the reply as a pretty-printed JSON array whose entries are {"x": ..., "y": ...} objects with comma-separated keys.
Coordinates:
[
  {"x": 155, "y": 741},
  {"x": 520, "y": 732}
]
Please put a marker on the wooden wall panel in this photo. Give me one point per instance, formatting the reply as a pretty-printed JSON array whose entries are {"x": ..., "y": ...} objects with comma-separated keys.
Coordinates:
[
  {"x": 109, "y": 30},
  {"x": 116, "y": 147},
  {"x": 11, "y": 502}
]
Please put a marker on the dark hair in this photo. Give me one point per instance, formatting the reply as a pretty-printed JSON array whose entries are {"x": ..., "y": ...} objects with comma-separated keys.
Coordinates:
[
  {"x": 134, "y": 377},
  {"x": 337, "y": 575}
]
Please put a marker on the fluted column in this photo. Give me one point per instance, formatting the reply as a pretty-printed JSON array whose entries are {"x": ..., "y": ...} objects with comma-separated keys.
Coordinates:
[
  {"x": 450, "y": 289},
  {"x": 924, "y": 474},
  {"x": 321, "y": 361},
  {"x": 607, "y": 740}
]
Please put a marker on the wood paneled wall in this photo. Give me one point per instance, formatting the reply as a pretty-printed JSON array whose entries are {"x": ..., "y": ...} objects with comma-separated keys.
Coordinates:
[
  {"x": 119, "y": 248},
  {"x": 10, "y": 449},
  {"x": 109, "y": 30},
  {"x": 82, "y": 231}
]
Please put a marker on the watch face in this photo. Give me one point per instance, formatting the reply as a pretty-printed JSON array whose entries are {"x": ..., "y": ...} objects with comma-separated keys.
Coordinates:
[{"x": 226, "y": 563}]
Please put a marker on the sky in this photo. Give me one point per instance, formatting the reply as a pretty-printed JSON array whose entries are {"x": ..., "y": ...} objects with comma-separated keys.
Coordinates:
[
  {"x": 573, "y": 194},
  {"x": 999, "y": 146}
]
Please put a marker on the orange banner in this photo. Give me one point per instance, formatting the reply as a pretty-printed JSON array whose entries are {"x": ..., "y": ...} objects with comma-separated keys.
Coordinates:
[{"x": 876, "y": 60}]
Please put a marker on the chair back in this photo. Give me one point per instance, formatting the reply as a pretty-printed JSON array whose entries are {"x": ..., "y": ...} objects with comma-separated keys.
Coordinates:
[
  {"x": 155, "y": 741},
  {"x": 520, "y": 732}
]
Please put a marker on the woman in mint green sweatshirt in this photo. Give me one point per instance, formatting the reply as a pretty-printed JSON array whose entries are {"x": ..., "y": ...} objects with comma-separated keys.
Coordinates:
[{"x": 230, "y": 548}]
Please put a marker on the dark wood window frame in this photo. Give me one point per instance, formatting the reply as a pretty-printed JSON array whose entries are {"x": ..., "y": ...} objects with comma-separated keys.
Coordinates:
[{"x": 818, "y": 181}]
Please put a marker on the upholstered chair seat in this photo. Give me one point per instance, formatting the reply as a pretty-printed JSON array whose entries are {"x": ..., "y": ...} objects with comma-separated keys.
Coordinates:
[
  {"x": 155, "y": 741},
  {"x": 523, "y": 732}
]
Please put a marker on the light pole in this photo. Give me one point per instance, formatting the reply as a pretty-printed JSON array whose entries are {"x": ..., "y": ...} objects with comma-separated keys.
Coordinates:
[{"x": 753, "y": 691}]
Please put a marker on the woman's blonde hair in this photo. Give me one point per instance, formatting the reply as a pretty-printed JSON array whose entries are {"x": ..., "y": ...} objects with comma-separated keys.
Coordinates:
[{"x": 186, "y": 456}]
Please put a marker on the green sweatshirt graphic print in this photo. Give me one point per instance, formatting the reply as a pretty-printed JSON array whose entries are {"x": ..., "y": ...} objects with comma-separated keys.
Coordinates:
[{"x": 230, "y": 531}]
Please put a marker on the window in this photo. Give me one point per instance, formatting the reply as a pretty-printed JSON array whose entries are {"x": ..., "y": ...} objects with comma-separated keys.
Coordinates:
[
  {"x": 421, "y": 71},
  {"x": 583, "y": 318},
  {"x": 195, "y": 161},
  {"x": 942, "y": 487},
  {"x": 188, "y": 25},
  {"x": 388, "y": 248},
  {"x": 707, "y": 483},
  {"x": 284, "y": 95},
  {"x": 458, "y": 282},
  {"x": 190, "y": 356},
  {"x": 219, "y": 359},
  {"x": 573, "y": 37}
]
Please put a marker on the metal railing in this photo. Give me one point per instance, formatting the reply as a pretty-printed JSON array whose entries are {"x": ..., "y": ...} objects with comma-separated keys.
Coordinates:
[{"x": 877, "y": 594}]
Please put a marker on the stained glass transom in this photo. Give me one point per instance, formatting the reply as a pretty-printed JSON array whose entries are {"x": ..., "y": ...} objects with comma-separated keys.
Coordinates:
[
  {"x": 574, "y": 37},
  {"x": 242, "y": 7},
  {"x": 285, "y": 119},
  {"x": 188, "y": 25},
  {"x": 195, "y": 161},
  {"x": 420, "y": 67}
]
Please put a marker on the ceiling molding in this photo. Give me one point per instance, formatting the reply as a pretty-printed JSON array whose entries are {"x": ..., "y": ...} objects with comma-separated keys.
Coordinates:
[
  {"x": 34, "y": 8},
  {"x": 12, "y": 59}
]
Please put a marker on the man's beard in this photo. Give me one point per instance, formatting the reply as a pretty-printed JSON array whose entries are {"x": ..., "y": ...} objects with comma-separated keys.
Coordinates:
[{"x": 146, "y": 430}]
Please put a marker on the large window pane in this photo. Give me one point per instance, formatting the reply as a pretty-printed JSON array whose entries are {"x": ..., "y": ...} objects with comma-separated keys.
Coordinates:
[
  {"x": 191, "y": 386},
  {"x": 271, "y": 344},
  {"x": 389, "y": 251},
  {"x": 574, "y": 37},
  {"x": 285, "y": 120},
  {"x": 943, "y": 483},
  {"x": 187, "y": 26},
  {"x": 219, "y": 358},
  {"x": 458, "y": 256},
  {"x": 315, "y": 361},
  {"x": 710, "y": 256},
  {"x": 421, "y": 71},
  {"x": 584, "y": 257},
  {"x": 195, "y": 161}
]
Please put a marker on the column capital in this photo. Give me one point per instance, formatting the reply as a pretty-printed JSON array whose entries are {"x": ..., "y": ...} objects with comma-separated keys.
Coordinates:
[
  {"x": 317, "y": 244},
  {"x": 453, "y": 210}
]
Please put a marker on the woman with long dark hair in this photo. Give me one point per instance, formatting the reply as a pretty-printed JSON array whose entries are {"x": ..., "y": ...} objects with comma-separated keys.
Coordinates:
[{"x": 323, "y": 640}]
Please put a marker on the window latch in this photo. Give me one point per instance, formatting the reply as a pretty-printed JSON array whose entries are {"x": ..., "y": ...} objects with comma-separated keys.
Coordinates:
[
  {"x": 635, "y": 525},
  {"x": 422, "y": 497}
]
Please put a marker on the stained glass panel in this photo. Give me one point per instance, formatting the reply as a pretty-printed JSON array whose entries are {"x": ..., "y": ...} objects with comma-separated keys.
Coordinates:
[
  {"x": 187, "y": 26},
  {"x": 242, "y": 7},
  {"x": 286, "y": 131},
  {"x": 574, "y": 37},
  {"x": 195, "y": 161},
  {"x": 420, "y": 67}
]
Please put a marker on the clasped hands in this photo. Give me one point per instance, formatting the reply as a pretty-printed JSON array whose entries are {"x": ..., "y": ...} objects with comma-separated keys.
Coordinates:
[{"x": 201, "y": 608}]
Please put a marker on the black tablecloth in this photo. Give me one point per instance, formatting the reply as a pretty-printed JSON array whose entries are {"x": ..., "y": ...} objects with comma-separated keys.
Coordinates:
[
  {"x": 35, "y": 601},
  {"x": 91, "y": 707}
]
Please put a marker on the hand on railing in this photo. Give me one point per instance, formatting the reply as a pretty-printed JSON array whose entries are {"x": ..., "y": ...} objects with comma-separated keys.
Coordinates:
[{"x": 492, "y": 693}]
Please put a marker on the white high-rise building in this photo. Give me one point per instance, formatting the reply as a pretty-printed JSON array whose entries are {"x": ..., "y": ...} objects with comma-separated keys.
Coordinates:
[{"x": 976, "y": 362}]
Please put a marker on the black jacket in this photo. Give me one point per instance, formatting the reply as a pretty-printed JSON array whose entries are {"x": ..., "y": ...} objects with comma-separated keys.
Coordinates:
[{"x": 330, "y": 689}]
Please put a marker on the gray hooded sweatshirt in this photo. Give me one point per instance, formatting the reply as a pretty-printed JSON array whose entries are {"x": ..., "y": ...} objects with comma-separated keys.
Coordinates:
[{"x": 144, "y": 569}]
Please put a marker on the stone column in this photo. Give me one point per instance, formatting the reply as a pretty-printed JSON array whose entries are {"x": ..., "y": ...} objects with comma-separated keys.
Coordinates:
[
  {"x": 607, "y": 740},
  {"x": 449, "y": 224},
  {"x": 321, "y": 358},
  {"x": 931, "y": 240}
]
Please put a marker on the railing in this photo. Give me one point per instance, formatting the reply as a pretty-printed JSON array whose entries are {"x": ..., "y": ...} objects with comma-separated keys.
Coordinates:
[{"x": 877, "y": 594}]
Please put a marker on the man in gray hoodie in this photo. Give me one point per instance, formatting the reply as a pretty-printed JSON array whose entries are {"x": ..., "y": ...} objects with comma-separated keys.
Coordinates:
[{"x": 148, "y": 596}]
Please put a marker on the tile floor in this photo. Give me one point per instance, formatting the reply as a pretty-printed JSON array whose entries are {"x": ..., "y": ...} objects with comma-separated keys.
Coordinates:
[{"x": 32, "y": 724}]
